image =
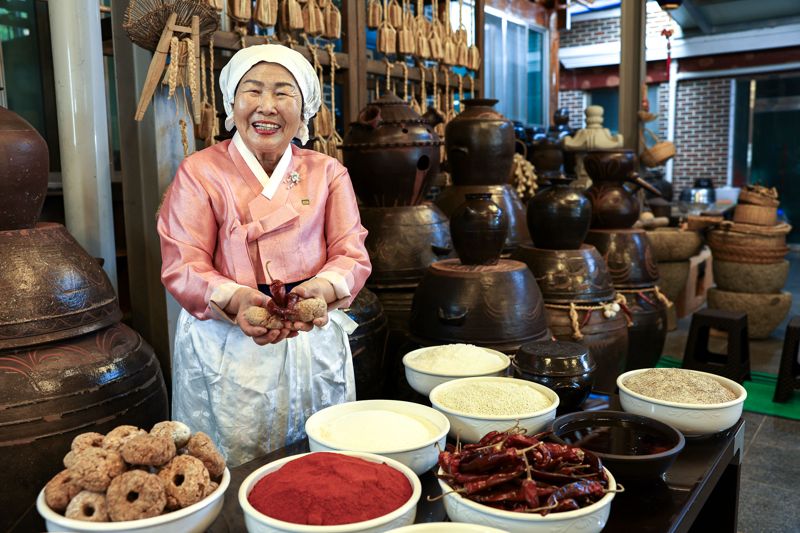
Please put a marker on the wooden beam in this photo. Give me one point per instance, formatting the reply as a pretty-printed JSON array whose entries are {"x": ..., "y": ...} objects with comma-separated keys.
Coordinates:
[
  {"x": 378, "y": 68},
  {"x": 228, "y": 40}
]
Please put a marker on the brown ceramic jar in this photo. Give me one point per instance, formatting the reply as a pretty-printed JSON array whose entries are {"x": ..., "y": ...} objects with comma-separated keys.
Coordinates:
[
  {"x": 478, "y": 228},
  {"x": 480, "y": 145},
  {"x": 559, "y": 216}
]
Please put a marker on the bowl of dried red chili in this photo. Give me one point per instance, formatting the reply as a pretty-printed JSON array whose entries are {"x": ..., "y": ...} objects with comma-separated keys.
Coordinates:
[
  {"x": 516, "y": 482},
  {"x": 330, "y": 492}
]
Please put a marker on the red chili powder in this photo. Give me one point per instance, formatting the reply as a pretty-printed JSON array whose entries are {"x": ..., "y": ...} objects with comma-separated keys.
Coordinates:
[{"x": 330, "y": 489}]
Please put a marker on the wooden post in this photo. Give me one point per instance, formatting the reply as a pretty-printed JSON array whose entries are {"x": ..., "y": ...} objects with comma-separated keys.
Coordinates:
[
  {"x": 355, "y": 41},
  {"x": 555, "y": 70},
  {"x": 479, "y": 42},
  {"x": 631, "y": 70}
]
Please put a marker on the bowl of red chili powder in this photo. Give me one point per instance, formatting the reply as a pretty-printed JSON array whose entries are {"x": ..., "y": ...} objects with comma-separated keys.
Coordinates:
[{"x": 330, "y": 492}]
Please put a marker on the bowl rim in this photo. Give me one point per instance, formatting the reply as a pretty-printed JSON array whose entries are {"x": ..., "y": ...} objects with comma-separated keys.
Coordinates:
[
  {"x": 444, "y": 422},
  {"x": 550, "y": 393},
  {"x": 533, "y": 517},
  {"x": 638, "y": 419},
  {"x": 256, "y": 475},
  {"x": 163, "y": 519},
  {"x": 741, "y": 392},
  {"x": 407, "y": 358}
]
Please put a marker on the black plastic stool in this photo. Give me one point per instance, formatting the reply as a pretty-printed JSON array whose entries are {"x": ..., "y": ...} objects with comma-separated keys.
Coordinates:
[
  {"x": 733, "y": 365},
  {"x": 789, "y": 373}
]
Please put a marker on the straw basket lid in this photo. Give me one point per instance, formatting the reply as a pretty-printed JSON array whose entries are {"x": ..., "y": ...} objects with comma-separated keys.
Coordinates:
[
  {"x": 758, "y": 195},
  {"x": 144, "y": 20}
]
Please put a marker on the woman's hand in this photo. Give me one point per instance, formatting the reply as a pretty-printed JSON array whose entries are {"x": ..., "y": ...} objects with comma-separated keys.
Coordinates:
[
  {"x": 315, "y": 288},
  {"x": 246, "y": 297}
]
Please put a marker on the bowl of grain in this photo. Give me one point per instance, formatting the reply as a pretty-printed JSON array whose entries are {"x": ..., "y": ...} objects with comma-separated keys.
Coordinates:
[
  {"x": 476, "y": 406},
  {"x": 403, "y": 431},
  {"x": 431, "y": 366},
  {"x": 696, "y": 403}
]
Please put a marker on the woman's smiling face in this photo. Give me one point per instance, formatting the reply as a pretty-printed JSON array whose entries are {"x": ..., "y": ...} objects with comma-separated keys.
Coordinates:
[{"x": 267, "y": 110}]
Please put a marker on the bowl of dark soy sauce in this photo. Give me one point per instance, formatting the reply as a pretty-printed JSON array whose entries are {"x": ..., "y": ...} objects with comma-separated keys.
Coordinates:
[{"x": 633, "y": 447}]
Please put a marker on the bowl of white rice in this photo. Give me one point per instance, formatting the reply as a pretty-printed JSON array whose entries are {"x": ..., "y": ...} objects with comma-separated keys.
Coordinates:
[
  {"x": 428, "y": 367},
  {"x": 476, "y": 406},
  {"x": 406, "y": 432},
  {"x": 696, "y": 403}
]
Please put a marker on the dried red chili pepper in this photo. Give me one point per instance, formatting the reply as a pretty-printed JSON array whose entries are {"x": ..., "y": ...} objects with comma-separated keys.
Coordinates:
[
  {"x": 472, "y": 487},
  {"x": 281, "y": 304},
  {"x": 490, "y": 459},
  {"x": 521, "y": 441},
  {"x": 579, "y": 489},
  {"x": 504, "y": 494}
]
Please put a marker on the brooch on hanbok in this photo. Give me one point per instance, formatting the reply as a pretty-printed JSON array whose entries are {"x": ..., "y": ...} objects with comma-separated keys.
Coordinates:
[{"x": 292, "y": 179}]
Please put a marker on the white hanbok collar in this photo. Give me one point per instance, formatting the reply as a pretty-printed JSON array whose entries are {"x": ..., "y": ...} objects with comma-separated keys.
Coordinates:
[{"x": 270, "y": 183}]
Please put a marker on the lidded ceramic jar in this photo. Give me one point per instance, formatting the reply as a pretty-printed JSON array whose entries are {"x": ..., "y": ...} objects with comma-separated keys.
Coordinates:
[
  {"x": 478, "y": 228},
  {"x": 480, "y": 145},
  {"x": 392, "y": 153},
  {"x": 559, "y": 216},
  {"x": 563, "y": 366}
]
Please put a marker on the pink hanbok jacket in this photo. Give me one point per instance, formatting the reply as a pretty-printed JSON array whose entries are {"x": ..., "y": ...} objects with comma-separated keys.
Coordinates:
[{"x": 217, "y": 227}]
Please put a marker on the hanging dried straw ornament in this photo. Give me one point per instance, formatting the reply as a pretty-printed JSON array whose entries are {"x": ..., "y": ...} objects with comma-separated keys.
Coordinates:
[
  {"x": 374, "y": 14},
  {"x": 436, "y": 35},
  {"x": 387, "y": 35},
  {"x": 313, "y": 21},
  {"x": 144, "y": 20},
  {"x": 423, "y": 90},
  {"x": 404, "y": 67},
  {"x": 460, "y": 38},
  {"x": 394, "y": 14},
  {"x": 335, "y": 140},
  {"x": 291, "y": 15},
  {"x": 406, "y": 44},
  {"x": 448, "y": 40},
  {"x": 266, "y": 14},
  {"x": 171, "y": 74},
  {"x": 322, "y": 120},
  {"x": 241, "y": 11},
  {"x": 212, "y": 88},
  {"x": 333, "y": 21}
]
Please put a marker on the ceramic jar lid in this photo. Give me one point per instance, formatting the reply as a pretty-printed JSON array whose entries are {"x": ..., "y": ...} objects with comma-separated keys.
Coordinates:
[{"x": 554, "y": 358}]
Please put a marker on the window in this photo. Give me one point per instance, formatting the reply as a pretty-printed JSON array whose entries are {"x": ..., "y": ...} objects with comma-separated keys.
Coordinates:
[
  {"x": 515, "y": 61},
  {"x": 608, "y": 99}
]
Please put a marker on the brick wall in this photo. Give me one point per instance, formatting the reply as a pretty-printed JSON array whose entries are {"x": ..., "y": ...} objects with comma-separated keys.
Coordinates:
[
  {"x": 573, "y": 100},
  {"x": 702, "y": 118},
  {"x": 608, "y": 30}
]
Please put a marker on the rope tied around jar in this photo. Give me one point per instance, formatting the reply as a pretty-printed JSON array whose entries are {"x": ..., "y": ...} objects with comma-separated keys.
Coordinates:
[
  {"x": 660, "y": 296},
  {"x": 610, "y": 310}
]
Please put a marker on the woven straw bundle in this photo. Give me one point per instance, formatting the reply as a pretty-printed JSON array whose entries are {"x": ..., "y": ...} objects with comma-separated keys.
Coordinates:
[{"x": 144, "y": 20}]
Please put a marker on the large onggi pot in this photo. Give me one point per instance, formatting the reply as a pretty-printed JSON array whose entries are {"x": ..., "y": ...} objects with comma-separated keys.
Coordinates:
[
  {"x": 628, "y": 255},
  {"x": 51, "y": 393},
  {"x": 480, "y": 145},
  {"x": 495, "y": 306},
  {"x": 392, "y": 153},
  {"x": 504, "y": 196},
  {"x": 566, "y": 276},
  {"x": 367, "y": 344},
  {"x": 403, "y": 241},
  {"x": 23, "y": 172},
  {"x": 647, "y": 333},
  {"x": 559, "y": 216},
  {"x": 53, "y": 288}
]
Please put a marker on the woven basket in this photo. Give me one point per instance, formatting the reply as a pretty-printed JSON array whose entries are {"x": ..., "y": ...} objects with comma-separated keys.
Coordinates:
[
  {"x": 659, "y": 153},
  {"x": 747, "y": 254},
  {"x": 753, "y": 198},
  {"x": 721, "y": 238},
  {"x": 760, "y": 215},
  {"x": 144, "y": 20}
]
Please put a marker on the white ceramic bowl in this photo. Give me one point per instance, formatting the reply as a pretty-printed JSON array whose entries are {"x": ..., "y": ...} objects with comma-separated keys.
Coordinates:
[
  {"x": 419, "y": 457},
  {"x": 470, "y": 428},
  {"x": 424, "y": 381},
  {"x": 447, "y": 527},
  {"x": 193, "y": 519},
  {"x": 256, "y": 522},
  {"x": 590, "y": 519},
  {"x": 693, "y": 420}
]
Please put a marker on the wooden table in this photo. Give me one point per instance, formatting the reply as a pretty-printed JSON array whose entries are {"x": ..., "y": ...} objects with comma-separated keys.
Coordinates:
[{"x": 700, "y": 491}]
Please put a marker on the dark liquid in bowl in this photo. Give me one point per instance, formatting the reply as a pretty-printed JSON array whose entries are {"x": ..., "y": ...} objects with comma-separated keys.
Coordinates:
[{"x": 618, "y": 437}]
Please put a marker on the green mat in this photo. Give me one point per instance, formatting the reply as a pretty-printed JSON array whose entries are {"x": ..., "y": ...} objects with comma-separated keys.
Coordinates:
[{"x": 760, "y": 389}]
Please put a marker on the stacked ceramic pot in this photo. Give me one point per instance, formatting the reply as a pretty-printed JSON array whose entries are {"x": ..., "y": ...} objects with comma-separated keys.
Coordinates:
[
  {"x": 479, "y": 143},
  {"x": 627, "y": 251},
  {"x": 392, "y": 155},
  {"x": 478, "y": 299},
  {"x": 67, "y": 365},
  {"x": 750, "y": 270},
  {"x": 580, "y": 301}
]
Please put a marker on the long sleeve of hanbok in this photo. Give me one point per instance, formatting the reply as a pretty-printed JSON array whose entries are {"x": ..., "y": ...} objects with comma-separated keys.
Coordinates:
[
  {"x": 188, "y": 230},
  {"x": 346, "y": 254}
]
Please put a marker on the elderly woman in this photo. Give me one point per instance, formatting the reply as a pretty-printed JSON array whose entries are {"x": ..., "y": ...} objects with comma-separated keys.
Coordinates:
[{"x": 232, "y": 208}]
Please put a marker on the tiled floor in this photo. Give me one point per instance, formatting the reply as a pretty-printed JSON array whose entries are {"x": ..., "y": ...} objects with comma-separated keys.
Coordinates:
[{"x": 769, "y": 499}]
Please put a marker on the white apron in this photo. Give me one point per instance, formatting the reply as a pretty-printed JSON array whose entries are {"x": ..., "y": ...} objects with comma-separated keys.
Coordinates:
[{"x": 253, "y": 399}]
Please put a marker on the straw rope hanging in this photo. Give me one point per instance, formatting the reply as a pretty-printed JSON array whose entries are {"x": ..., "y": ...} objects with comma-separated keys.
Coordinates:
[
  {"x": 460, "y": 91},
  {"x": 404, "y": 67},
  {"x": 414, "y": 104},
  {"x": 423, "y": 90},
  {"x": 660, "y": 296},
  {"x": 335, "y": 140},
  {"x": 213, "y": 90},
  {"x": 389, "y": 68}
]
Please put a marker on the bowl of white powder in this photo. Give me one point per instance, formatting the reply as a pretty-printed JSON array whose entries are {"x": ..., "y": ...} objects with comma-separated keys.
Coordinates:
[
  {"x": 404, "y": 431},
  {"x": 428, "y": 367},
  {"x": 476, "y": 406},
  {"x": 696, "y": 403}
]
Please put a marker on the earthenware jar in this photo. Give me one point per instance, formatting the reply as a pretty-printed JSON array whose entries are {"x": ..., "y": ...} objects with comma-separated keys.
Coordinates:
[
  {"x": 496, "y": 306},
  {"x": 613, "y": 206},
  {"x": 391, "y": 153},
  {"x": 23, "y": 172},
  {"x": 648, "y": 330},
  {"x": 478, "y": 228},
  {"x": 563, "y": 366},
  {"x": 559, "y": 216},
  {"x": 628, "y": 255},
  {"x": 480, "y": 145},
  {"x": 367, "y": 344}
]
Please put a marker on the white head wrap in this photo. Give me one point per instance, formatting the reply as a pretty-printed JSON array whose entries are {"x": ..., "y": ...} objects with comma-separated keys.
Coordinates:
[{"x": 293, "y": 61}]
